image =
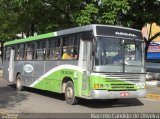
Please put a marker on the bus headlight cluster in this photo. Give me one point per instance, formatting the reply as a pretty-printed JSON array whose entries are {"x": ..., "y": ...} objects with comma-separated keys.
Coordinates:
[
  {"x": 140, "y": 85},
  {"x": 100, "y": 86}
]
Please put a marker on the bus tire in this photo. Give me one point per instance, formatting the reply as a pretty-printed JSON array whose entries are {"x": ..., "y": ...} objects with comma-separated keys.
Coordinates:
[
  {"x": 69, "y": 94},
  {"x": 19, "y": 86}
]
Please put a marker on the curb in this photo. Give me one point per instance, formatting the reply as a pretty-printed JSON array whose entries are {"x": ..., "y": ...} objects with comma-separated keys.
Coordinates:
[{"x": 153, "y": 96}]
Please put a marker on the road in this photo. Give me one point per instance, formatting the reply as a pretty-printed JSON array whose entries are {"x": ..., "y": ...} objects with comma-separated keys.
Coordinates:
[{"x": 36, "y": 101}]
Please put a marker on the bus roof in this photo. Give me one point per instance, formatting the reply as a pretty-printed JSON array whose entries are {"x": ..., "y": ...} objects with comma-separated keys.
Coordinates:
[{"x": 62, "y": 32}]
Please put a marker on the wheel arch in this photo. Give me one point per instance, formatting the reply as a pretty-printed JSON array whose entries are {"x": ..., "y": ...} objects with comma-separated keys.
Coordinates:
[
  {"x": 18, "y": 73},
  {"x": 64, "y": 81}
]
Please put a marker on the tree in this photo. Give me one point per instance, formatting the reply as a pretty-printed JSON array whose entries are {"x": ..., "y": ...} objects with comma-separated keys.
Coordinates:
[
  {"x": 149, "y": 36},
  {"x": 141, "y": 12},
  {"x": 7, "y": 22},
  {"x": 102, "y": 12},
  {"x": 41, "y": 16}
]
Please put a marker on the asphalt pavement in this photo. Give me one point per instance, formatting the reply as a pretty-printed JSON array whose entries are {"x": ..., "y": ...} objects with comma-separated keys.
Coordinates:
[{"x": 37, "y": 101}]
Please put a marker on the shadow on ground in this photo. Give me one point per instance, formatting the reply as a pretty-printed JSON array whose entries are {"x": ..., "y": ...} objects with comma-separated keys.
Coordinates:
[
  {"x": 91, "y": 103},
  {"x": 46, "y": 93},
  {"x": 110, "y": 103},
  {"x": 9, "y": 97}
]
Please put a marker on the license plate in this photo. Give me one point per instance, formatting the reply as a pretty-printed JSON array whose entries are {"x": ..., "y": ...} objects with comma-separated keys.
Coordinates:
[{"x": 124, "y": 94}]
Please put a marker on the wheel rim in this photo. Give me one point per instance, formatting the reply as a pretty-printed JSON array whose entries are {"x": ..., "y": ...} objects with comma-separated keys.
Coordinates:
[{"x": 69, "y": 92}]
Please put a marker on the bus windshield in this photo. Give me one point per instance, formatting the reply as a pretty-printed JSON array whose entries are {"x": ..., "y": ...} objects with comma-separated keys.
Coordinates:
[{"x": 118, "y": 55}]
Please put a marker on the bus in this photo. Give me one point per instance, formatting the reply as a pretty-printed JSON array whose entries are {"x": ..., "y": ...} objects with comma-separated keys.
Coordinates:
[{"x": 79, "y": 63}]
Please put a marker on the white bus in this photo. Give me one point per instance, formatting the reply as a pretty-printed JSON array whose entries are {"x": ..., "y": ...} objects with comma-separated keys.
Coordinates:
[{"x": 81, "y": 62}]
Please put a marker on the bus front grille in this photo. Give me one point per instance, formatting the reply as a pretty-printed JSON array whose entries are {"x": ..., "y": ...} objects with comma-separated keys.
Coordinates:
[
  {"x": 122, "y": 87},
  {"x": 122, "y": 90},
  {"x": 123, "y": 77},
  {"x": 123, "y": 81}
]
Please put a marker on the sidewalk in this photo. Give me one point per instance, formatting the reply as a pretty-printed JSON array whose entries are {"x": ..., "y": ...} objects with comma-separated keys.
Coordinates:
[{"x": 153, "y": 91}]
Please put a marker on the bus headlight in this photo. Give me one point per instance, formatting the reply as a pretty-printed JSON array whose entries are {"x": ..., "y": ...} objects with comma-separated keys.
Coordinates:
[
  {"x": 101, "y": 85},
  {"x": 140, "y": 85},
  {"x": 143, "y": 85},
  {"x": 96, "y": 86},
  {"x": 137, "y": 85},
  {"x": 107, "y": 85}
]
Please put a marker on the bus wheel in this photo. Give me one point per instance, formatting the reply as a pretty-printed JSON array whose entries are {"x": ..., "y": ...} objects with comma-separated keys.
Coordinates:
[
  {"x": 69, "y": 94},
  {"x": 19, "y": 83}
]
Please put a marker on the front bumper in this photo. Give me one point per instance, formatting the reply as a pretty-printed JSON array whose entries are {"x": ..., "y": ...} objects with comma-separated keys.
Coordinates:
[{"x": 104, "y": 94}]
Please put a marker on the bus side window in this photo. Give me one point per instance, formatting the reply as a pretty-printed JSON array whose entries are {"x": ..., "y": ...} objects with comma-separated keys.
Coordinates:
[
  {"x": 53, "y": 49},
  {"x": 4, "y": 53},
  {"x": 17, "y": 53},
  {"x": 29, "y": 51},
  {"x": 21, "y": 52},
  {"x": 7, "y": 53},
  {"x": 49, "y": 50},
  {"x": 41, "y": 50},
  {"x": 56, "y": 49},
  {"x": 76, "y": 47},
  {"x": 70, "y": 47}
]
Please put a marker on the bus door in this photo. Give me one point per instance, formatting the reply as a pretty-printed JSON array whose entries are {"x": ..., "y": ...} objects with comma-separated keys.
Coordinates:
[
  {"x": 11, "y": 65},
  {"x": 85, "y": 64}
]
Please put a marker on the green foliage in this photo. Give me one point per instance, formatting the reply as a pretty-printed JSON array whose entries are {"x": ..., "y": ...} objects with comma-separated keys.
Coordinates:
[
  {"x": 112, "y": 9},
  {"x": 103, "y": 12},
  {"x": 42, "y": 16},
  {"x": 141, "y": 12},
  {"x": 87, "y": 15},
  {"x": 7, "y": 21}
]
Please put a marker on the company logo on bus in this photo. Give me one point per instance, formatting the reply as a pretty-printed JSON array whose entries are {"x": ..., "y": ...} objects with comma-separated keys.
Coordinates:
[
  {"x": 28, "y": 68},
  {"x": 125, "y": 34}
]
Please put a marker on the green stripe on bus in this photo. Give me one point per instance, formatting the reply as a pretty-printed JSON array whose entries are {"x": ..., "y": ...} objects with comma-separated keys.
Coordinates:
[
  {"x": 53, "y": 82},
  {"x": 33, "y": 38}
]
